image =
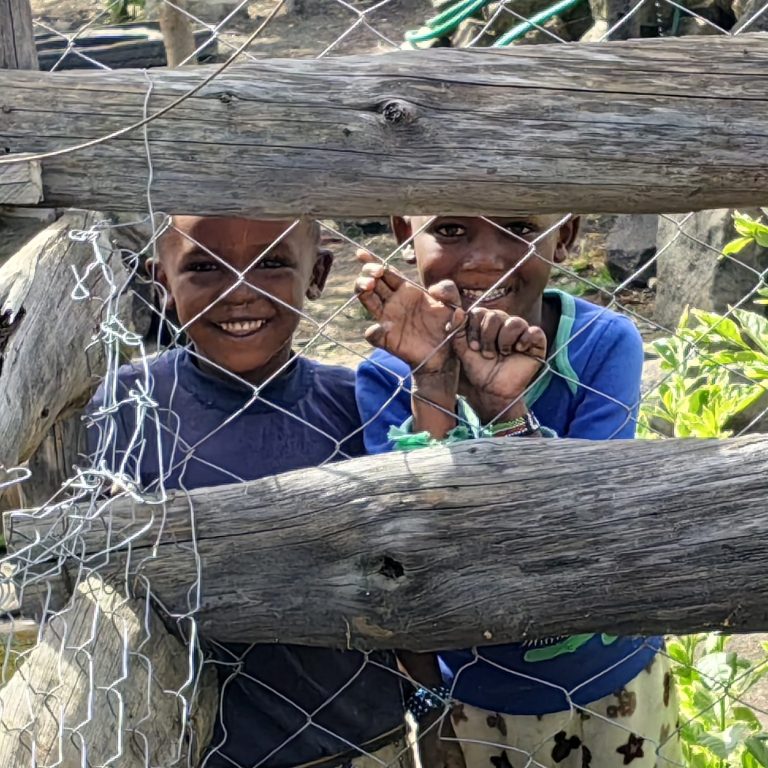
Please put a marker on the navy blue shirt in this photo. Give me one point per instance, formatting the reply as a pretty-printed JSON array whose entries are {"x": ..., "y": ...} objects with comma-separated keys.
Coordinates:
[
  {"x": 199, "y": 430},
  {"x": 591, "y": 390}
]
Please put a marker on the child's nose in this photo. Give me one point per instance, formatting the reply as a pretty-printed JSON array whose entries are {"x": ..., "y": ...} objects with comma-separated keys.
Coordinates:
[
  {"x": 493, "y": 251},
  {"x": 242, "y": 292}
]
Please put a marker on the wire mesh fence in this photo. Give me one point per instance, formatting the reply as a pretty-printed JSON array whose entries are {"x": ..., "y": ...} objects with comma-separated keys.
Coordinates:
[{"x": 218, "y": 351}]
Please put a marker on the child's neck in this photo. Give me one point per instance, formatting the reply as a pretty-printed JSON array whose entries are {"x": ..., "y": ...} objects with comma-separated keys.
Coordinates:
[
  {"x": 549, "y": 311},
  {"x": 256, "y": 376}
]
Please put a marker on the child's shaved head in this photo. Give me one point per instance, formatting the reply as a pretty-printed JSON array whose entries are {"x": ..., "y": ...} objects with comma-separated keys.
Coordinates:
[
  {"x": 238, "y": 286},
  {"x": 183, "y": 227}
]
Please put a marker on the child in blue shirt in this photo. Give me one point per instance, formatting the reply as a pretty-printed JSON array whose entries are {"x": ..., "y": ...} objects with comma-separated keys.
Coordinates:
[
  {"x": 525, "y": 359},
  {"x": 235, "y": 405}
]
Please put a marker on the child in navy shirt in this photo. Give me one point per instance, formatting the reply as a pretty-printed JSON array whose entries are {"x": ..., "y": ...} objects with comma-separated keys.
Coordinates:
[
  {"x": 487, "y": 343},
  {"x": 235, "y": 405}
]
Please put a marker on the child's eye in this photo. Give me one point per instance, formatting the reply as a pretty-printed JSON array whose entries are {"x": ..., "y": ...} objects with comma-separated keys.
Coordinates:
[
  {"x": 270, "y": 263},
  {"x": 520, "y": 228},
  {"x": 202, "y": 266},
  {"x": 450, "y": 230}
]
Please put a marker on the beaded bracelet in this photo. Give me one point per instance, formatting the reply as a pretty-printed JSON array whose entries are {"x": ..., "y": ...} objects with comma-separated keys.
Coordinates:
[
  {"x": 423, "y": 701},
  {"x": 522, "y": 426}
]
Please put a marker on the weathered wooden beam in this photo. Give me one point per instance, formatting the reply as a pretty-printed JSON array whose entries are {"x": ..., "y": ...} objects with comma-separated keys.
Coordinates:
[
  {"x": 674, "y": 124},
  {"x": 17, "y": 38},
  {"x": 43, "y": 375},
  {"x": 21, "y": 184},
  {"x": 106, "y": 682},
  {"x": 481, "y": 543}
]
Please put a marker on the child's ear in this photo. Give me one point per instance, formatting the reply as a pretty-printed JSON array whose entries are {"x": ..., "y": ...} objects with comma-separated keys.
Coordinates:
[
  {"x": 403, "y": 230},
  {"x": 566, "y": 237},
  {"x": 158, "y": 274},
  {"x": 401, "y": 226},
  {"x": 320, "y": 271}
]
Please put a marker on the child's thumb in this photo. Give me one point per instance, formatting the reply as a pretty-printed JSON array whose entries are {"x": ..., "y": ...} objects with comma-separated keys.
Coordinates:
[
  {"x": 366, "y": 257},
  {"x": 375, "y": 335},
  {"x": 446, "y": 292}
]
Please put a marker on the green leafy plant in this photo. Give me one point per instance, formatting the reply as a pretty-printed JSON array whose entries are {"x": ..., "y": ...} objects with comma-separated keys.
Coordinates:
[
  {"x": 750, "y": 231},
  {"x": 715, "y": 366},
  {"x": 718, "y": 729},
  {"x": 121, "y": 11}
]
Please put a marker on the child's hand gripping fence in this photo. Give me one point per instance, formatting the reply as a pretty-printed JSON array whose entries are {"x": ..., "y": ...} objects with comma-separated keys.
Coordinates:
[{"x": 484, "y": 543}]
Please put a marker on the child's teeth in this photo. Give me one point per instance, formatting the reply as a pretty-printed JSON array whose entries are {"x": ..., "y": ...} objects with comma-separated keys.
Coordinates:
[
  {"x": 242, "y": 326},
  {"x": 497, "y": 293}
]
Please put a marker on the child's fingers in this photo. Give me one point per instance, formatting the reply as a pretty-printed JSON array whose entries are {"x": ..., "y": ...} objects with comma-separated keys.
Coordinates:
[
  {"x": 372, "y": 279},
  {"x": 447, "y": 292},
  {"x": 366, "y": 257},
  {"x": 510, "y": 334},
  {"x": 372, "y": 302},
  {"x": 375, "y": 335},
  {"x": 474, "y": 319},
  {"x": 459, "y": 340},
  {"x": 532, "y": 342},
  {"x": 392, "y": 278},
  {"x": 375, "y": 268},
  {"x": 457, "y": 321},
  {"x": 490, "y": 325}
]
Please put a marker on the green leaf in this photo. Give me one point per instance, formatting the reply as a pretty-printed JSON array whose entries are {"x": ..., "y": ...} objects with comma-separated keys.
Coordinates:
[
  {"x": 723, "y": 743},
  {"x": 756, "y": 747},
  {"x": 715, "y": 669},
  {"x": 744, "y": 224},
  {"x": 745, "y": 714},
  {"x": 739, "y": 244},
  {"x": 755, "y": 326}
]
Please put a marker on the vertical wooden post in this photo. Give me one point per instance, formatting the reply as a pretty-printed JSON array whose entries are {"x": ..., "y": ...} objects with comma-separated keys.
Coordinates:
[
  {"x": 106, "y": 682},
  {"x": 17, "y": 40},
  {"x": 178, "y": 37}
]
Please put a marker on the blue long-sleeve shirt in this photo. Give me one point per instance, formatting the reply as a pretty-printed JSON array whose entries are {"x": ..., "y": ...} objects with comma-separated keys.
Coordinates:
[
  {"x": 177, "y": 426},
  {"x": 591, "y": 390}
]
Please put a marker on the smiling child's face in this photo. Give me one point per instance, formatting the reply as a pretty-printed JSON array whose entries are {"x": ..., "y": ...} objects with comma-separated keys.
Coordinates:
[
  {"x": 490, "y": 260},
  {"x": 238, "y": 295}
]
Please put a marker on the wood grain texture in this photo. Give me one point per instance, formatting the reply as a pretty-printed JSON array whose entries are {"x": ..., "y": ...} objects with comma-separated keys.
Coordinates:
[
  {"x": 42, "y": 378},
  {"x": 21, "y": 184},
  {"x": 17, "y": 38},
  {"x": 105, "y": 682},
  {"x": 485, "y": 542},
  {"x": 674, "y": 124}
]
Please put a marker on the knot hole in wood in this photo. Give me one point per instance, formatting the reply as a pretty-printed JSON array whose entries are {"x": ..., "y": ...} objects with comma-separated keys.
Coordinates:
[
  {"x": 390, "y": 568},
  {"x": 397, "y": 112}
]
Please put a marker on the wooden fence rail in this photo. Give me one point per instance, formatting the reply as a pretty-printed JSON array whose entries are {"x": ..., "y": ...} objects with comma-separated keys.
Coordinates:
[
  {"x": 638, "y": 126},
  {"x": 486, "y": 542}
]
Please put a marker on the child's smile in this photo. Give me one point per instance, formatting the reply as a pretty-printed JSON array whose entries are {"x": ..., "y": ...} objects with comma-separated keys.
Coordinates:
[
  {"x": 492, "y": 297},
  {"x": 242, "y": 328}
]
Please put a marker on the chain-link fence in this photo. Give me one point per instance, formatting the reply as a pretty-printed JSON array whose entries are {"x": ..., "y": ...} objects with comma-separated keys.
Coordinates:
[{"x": 195, "y": 360}]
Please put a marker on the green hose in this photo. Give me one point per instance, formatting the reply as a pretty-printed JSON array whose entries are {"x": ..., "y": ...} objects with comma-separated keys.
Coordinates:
[
  {"x": 540, "y": 18},
  {"x": 445, "y": 22}
]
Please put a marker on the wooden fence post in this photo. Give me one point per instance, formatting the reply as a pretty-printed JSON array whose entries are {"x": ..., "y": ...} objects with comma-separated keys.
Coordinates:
[
  {"x": 17, "y": 40},
  {"x": 178, "y": 36},
  {"x": 106, "y": 680}
]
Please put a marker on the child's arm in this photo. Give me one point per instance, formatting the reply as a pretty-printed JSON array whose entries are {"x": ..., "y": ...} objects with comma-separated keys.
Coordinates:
[
  {"x": 609, "y": 391},
  {"x": 414, "y": 325}
]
